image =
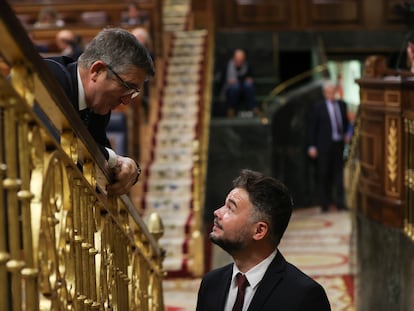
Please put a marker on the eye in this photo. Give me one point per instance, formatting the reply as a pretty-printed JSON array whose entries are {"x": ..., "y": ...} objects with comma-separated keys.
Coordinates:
[
  {"x": 231, "y": 207},
  {"x": 131, "y": 86}
]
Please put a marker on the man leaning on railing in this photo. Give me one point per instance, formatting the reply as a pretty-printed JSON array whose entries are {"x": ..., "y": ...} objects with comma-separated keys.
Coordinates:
[{"x": 110, "y": 72}]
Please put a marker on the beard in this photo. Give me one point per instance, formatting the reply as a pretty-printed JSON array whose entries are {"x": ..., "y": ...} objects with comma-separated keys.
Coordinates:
[
  {"x": 230, "y": 246},
  {"x": 233, "y": 244}
]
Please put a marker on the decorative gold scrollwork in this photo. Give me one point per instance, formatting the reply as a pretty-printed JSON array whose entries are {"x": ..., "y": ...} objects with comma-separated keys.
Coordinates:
[
  {"x": 392, "y": 155},
  {"x": 56, "y": 249}
]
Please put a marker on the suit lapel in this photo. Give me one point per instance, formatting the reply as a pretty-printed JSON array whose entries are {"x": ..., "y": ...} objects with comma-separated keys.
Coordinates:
[
  {"x": 342, "y": 108},
  {"x": 267, "y": 285},
  {"x": 223, "y": 288},
  {"x": 72, "y": 68},
  {"x": 326, "y": 112}
]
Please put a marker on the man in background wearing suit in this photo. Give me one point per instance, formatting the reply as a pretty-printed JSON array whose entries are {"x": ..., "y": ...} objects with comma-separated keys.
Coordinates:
[
  {"x": 327, "y": 135},
  {"x": 249, "y": 226},
  {"x": 111, "y": 71}
]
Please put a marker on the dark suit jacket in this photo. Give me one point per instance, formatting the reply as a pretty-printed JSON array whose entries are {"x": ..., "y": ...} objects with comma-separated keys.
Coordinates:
[
  {"x": 283, "y": 287},
  {"x": 65, "y": 71},
  {"x": 320, "y": 134}
]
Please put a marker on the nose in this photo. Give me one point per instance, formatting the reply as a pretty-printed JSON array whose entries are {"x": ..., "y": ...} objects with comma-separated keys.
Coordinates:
[{"x": 217, "y": 212}]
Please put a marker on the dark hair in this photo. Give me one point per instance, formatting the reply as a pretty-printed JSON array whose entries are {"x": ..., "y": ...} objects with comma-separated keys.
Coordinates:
[
  {"x": 270, "y": 198},
  {"x": 118, "y": 48}
]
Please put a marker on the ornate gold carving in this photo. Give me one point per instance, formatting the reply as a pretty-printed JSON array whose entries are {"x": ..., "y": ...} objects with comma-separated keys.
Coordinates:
[
  {"x": 392, "y": 149},
  {"x": 69, "y": 144},
  {"x": 155, "y": 226},
  {"x": 56, "y": 249}
]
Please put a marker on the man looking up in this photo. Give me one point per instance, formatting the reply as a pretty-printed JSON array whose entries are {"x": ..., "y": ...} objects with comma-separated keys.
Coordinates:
[{"x": 249, "y": 226}]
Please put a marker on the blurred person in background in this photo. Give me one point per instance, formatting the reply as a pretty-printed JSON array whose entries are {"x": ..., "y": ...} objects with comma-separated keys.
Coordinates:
[
  {"x": 134, "y": 16},
  {"x": 328, "y": 134},
  {"x": 144, "y": 38},
  {"x": 239, "y": 88},
  {"x": 69, "y": 44},
  {"x": 48, "y": 17}
]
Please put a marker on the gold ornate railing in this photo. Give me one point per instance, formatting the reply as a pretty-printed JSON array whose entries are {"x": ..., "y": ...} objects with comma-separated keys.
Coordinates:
[{"x": 64, "y": 243}]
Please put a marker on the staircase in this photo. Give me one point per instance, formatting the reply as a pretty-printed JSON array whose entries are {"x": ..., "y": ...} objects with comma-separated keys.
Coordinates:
[{"x": 174, "y": 172}]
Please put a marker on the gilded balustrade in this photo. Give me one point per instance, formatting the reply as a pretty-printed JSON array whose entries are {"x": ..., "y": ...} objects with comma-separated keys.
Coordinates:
[{"x": 64, "y": 244}]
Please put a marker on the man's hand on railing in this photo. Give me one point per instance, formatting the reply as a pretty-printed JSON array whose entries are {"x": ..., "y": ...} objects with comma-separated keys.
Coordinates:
[{"x": 125, "y": 172}]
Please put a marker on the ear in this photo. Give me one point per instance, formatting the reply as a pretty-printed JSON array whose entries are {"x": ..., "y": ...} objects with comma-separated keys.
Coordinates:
[
  {"x": 261, "y": 230},
  {"x": 96, "y": 69}
]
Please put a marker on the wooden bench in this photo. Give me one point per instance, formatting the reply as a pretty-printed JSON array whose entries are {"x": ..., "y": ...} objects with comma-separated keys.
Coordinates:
[
  {"x": 47, "y": 36},
  {"x": 73, "y": 12}
]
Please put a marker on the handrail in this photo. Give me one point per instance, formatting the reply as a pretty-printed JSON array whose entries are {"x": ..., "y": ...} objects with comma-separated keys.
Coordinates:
[
  {"x": 284, "y": 85},
  {"x": 132, "y": 210}
]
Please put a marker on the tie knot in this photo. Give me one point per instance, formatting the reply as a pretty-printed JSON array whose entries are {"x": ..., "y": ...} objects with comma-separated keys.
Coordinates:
[{"x": 242, "y": 281}]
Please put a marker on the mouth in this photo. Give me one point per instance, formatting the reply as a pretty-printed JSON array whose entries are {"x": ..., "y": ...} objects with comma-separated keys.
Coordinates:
[{"x": 217, "y": 226}]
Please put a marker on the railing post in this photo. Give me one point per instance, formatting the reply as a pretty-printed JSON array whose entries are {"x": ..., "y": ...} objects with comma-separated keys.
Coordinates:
[
  {"x": 12, "y": 185},
  {"x": 30, "y": 273},
  {"x": 4, "y": 255}
]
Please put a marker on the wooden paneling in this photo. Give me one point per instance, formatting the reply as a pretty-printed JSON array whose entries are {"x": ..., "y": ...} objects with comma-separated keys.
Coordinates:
[
  {"x": 390, "y": 13},
  {"x": 381, "y": 192},
  {"x": 334, "y": 12},
  {"x": 275, "y": 12},
  {"x": 202, "y": 14},
  {"x": 250, "y": 14},
  {"x": 371, "y": 145},
  {"x": 308, "y": 14}
]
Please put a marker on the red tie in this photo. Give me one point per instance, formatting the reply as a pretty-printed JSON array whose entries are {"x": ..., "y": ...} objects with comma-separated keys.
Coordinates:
[{"x": 242, "y": 283}]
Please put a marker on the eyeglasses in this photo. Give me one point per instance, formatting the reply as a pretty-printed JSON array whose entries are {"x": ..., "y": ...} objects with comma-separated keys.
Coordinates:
[{"x": 135, "y": 91}]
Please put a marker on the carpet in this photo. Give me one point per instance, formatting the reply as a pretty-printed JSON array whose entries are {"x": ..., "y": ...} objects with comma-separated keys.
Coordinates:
[{"x": 321, "y": 245}]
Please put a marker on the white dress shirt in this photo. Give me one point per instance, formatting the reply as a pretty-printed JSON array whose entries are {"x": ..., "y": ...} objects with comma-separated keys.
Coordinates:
[{"x": 254, "y": 276}]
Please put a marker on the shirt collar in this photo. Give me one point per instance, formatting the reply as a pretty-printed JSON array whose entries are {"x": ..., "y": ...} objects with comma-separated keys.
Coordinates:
[
  {"x": 255, "y": 274},
  {"x": 81, "y": 92}
]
